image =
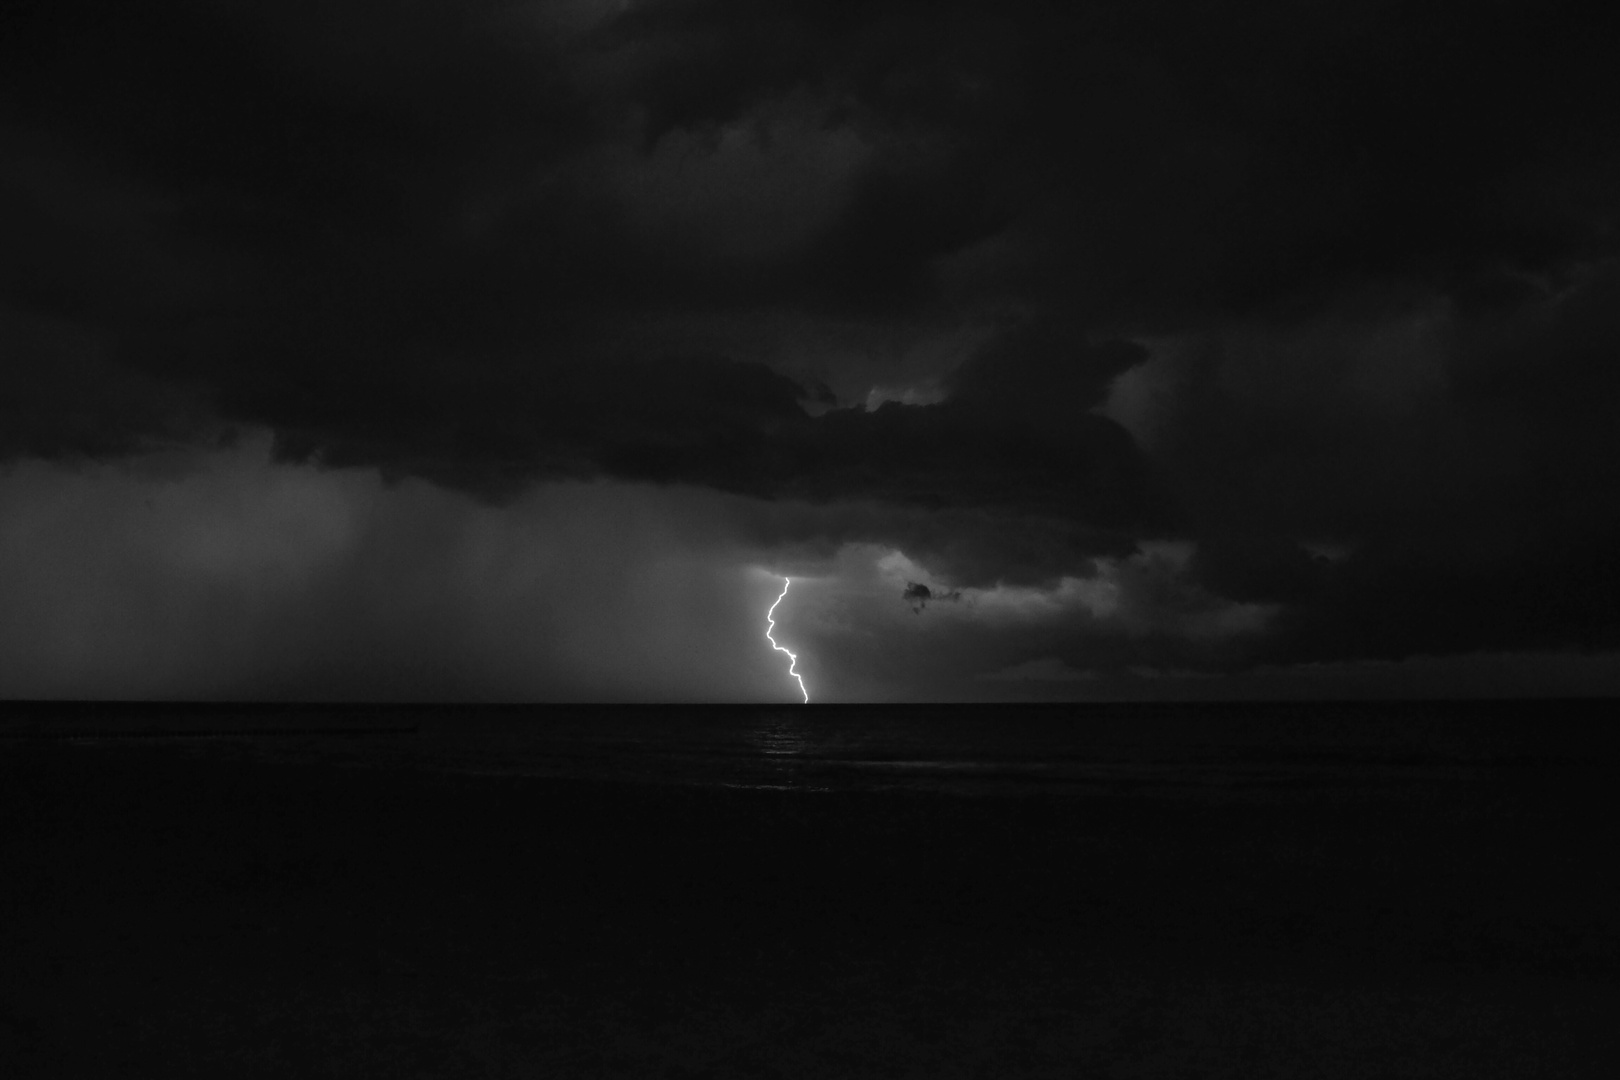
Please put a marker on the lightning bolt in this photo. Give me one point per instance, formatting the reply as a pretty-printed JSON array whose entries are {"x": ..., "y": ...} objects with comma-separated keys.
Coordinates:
[{"x": 770, "y": 620}]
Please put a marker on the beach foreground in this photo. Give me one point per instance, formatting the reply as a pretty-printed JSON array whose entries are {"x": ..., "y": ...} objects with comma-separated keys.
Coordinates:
[{"x": 175, "y": 912}]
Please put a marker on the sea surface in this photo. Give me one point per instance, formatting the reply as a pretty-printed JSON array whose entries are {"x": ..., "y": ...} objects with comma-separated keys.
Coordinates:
[
  {"x": 1227, "y": 751},
  {"x": 728, "y": 893}
]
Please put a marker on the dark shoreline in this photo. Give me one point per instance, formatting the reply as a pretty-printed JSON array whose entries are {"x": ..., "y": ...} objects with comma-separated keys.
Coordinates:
[{"x": 210, "y": 913}]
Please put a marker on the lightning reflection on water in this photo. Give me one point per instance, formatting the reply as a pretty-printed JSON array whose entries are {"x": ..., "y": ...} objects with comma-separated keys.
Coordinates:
[{"x": 793, "y": 660}]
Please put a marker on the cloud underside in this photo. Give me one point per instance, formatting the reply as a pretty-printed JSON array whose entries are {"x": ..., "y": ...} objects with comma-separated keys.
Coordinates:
[{"x": 1327, "y": 297}]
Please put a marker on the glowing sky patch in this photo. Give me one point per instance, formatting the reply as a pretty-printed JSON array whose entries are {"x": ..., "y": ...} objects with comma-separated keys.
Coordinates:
[{"x": 770, "y": 621}]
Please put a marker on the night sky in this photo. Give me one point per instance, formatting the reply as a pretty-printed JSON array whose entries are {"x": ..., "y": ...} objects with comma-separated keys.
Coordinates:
[{"x": 463, "y": 350}]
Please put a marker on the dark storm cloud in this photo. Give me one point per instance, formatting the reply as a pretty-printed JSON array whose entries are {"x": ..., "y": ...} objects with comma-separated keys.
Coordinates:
[
  {"x": 65, "y": 400},
  {"x": 1158, "y": 161},
  {"x": 1472, "y": 508},
  {"x": 1319, "y": 287},
  {"x": 920, "y": 596}
]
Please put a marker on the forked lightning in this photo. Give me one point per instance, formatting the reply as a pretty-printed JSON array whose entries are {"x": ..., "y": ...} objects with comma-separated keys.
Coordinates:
[{"x": 770, "y": 620}]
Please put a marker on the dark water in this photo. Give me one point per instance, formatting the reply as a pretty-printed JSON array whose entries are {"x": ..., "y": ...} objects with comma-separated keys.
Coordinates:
[
  {"x": 1228, "y": 891},
  {"x": 1237, "y": 751}
]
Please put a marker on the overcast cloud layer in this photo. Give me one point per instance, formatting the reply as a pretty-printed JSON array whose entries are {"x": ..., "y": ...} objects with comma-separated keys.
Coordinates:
[{"x": 1051, "y": 347}]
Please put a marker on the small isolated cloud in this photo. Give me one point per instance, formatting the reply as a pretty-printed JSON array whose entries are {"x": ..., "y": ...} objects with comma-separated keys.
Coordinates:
[{"x": 920, "y": 596}]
